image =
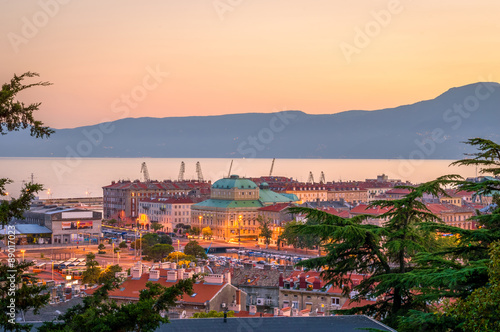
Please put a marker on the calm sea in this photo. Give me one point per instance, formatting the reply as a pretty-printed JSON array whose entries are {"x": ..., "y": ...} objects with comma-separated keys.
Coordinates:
[{"x": 86, "y": 176}]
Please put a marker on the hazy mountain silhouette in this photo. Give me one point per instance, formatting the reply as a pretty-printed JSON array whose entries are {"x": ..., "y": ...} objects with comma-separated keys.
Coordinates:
[{"x": 456, "y": 115}]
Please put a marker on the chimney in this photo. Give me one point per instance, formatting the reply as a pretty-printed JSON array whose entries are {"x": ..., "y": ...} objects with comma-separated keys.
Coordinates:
[
  {"x": 137, "y": 271},
  {"x": 197, "y": 269},
  {"x": 173, "y": 266},
  {"x": 165, "y": 265},
  {"x": 281, "y": 283},
  {"x": 302, "y": 281},
  {"x": 188, "y": 275},
  {"x": 228, "y": 277},
  {"x": 253, "y": 309},
  {"x": 154, "y": 274},
  {"x": 238, "y": 297},
  {"x": 316, "y": 283},
  {"x": 180, "y": 274},
  {"x": 172, "y": 275}
]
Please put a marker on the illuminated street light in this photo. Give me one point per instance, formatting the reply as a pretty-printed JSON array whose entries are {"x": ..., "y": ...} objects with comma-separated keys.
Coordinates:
[
  {"x": 200, "y": 217},
  {"x": 22, "y": 252},
  {"x": 240, "y": 217}
]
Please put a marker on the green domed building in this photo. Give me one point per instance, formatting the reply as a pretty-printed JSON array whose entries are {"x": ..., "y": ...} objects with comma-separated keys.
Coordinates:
[{"x": 233, "y": 207}]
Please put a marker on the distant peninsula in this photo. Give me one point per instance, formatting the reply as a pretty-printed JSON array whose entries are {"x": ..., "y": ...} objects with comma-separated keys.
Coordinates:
[{"x": 431, "y": 129}]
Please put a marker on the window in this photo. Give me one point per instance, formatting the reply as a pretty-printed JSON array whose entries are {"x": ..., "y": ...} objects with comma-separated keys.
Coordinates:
[
  {"x": 335, "y": 301},
  {"x": 295, "y": 304}
]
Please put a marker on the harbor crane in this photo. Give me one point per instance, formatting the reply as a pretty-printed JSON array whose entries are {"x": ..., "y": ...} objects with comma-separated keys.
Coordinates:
[
  {"x": 182, "y": 170},
  {"x": 272, "y": 166},
  {"x": 198, "y": 171},
  {"x": 322, "y": 178},
  {"x": 230, "y": 167},
  {"x": 145, "y": 173},
  {"x": 311, "y": 178}
]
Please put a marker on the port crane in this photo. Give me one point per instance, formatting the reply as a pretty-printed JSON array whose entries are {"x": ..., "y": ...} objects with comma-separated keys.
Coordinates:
[
  {"x": 272, "y": 166},
  {"x": 311, "y": 178},
  {"x": 230, "y": 167},
  {"x": 145, "y": 173},
  {"x": 182, "y": 170},
  {"x": 198, "y": 171},
  {"x": 322, "y": 178}
]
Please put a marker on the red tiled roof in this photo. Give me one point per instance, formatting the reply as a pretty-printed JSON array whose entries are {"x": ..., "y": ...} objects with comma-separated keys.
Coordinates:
[
  {"x": 247, "y": 314},
  {"x": 130, "y": 289},
  {"x": 331, "y": 210},
  {"x": 398, "y": 191},
  {"x": 366, "y": 209},
  {"x": 275, "y": 207},
  {"x": 156, "y": 185},
  {"x": 351, "y": 304},
  {"x": 437, "y": 208}
]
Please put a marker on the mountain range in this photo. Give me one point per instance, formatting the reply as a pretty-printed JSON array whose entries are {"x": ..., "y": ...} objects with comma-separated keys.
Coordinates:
[{"x": 430, "y": 129}]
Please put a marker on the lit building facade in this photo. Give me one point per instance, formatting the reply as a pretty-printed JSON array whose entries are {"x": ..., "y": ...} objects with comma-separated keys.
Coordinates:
[{"x": 232, "y": 210}]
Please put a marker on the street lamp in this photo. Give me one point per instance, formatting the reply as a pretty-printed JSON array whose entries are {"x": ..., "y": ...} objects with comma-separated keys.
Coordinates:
[
  {"x": 140, "y": 241},
  {"x": 240, "y": 217},
  {"x": 199, "y": 218},
  {"x": 178, "y": 250},
  {"x": 22, "y": 252}
]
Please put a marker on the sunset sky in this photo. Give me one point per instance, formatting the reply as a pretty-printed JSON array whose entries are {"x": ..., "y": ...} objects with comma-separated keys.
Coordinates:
[{"x": 114, "y": 59}]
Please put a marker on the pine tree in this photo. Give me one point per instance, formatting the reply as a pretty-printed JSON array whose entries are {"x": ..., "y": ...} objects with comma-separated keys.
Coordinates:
[{"x": 382, "y": 253}]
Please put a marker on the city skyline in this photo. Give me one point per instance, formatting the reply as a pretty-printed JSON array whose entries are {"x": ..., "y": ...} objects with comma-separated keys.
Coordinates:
[{"x": 222, "y": 57}]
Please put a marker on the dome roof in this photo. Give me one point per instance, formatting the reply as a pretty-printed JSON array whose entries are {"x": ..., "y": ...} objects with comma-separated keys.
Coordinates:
[{"x": 234, "y": 181}]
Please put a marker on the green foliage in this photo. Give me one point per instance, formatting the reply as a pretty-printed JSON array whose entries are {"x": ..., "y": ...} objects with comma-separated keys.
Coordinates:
[
  {"x": 265, "y": 230},
  {"x": 156, "y": 226},
  {"x": 100, "y": 314},
  {"x": 299, "y": 239},
  {"x": 384, "y": 252},
  {"x": 123, "y": 245},
  {"x": 93, "y": 272},
  {"x": 212, "y": 314},
  {"x": 135, "y": 244},
  {"x": 192, "y": 248},
  {"x": 180, "y": 257},
  {"x": 481, "y": 310},
  {"x": 206, "y": 232},
  {"x": 108, "y": 275},
  {"x": 195, "y": 231},
  {"x": 112, "y": 222},
  {"x": 15, "y": 115},
  {"x": 165, "y": 239},
  {"x": 27, "y": 296},
  {"x": 159, "y": 251},
  {"x": 101, "y": 246}
]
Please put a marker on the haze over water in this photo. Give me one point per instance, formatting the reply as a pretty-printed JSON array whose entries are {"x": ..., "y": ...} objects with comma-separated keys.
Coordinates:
[{"x": 86, "y": 177}]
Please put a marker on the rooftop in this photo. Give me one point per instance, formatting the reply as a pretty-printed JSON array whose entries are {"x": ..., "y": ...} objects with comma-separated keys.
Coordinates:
[
  {"x": 276, "y": 324},
  {"x": 234, "y": 181}
]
